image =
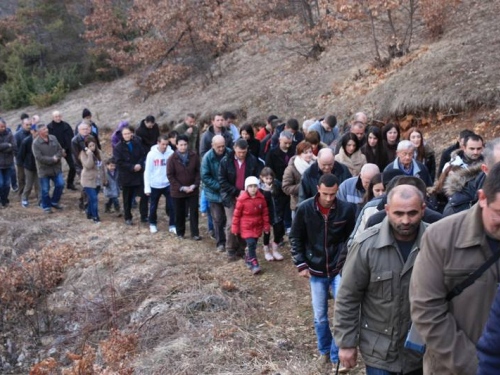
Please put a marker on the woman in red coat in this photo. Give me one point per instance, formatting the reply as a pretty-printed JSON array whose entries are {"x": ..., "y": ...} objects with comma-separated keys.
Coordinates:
[{"x": 251, "y": 218}]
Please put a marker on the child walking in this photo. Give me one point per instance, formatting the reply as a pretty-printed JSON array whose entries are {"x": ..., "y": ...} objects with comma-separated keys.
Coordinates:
[
  {"x": 92, "y": 176},
  {"x": 112, "y": 189},
  {"x": 276, "y": 201},
  {"x": 251, "y": 217}
]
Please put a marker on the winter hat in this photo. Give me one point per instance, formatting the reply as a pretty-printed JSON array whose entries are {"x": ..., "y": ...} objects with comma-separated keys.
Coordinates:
[
  {"x": 252, "y": 180},
  {"x": 86, "y": 113}
]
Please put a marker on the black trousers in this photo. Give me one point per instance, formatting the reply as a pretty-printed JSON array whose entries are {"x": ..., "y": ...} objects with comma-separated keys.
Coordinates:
[
  {"x": 72, "y": 170},
  {"x": 181, "y": 207},
  {"x": 128, "y": 196}
]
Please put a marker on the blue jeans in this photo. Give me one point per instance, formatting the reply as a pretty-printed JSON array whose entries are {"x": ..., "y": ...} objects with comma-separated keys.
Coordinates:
[
  {"x": 92, "y": 203},
  {"x": 5, "y": 179},
  {"x": 377, "y": 371},
  {"x": 13, "y": 179},
  {"x": 58, "y": 181},
  {"x": 252, "y": 247},
  {"x": 153, "y": 205},
  {"x": 205, "y": 208},
  {"x": 320, "y": 287}
]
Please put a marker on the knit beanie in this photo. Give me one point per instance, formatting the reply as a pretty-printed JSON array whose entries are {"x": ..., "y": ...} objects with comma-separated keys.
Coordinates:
[
  {"x": 86, "y": 113},
  {"x": 252, "y": 180}
]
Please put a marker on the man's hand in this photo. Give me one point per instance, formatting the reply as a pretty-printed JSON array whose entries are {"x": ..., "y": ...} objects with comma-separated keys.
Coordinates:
[
  {"x": 147, "y": 194},
  {"x": 348, "y": 357},
  {"x": 189, "y": 131},
  {"x": 304, "y": 273},
  {"x": 137, "y": 168},
  {"x": 56, "y": 158}
]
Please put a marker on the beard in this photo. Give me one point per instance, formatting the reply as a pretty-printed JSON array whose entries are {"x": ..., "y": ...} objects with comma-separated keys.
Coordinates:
[{"x": 406, "y": 230}]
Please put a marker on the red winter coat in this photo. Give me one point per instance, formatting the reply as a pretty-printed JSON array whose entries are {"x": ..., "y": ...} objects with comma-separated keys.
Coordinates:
[{"x": 251, "y": 216}]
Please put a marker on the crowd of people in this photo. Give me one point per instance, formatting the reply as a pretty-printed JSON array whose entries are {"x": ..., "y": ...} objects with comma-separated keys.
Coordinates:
[{"x": 400, "y": 243}]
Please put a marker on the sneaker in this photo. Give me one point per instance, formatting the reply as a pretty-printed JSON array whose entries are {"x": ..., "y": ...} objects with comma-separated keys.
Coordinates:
[
  {"x": 275, "y": 252},
  {"x": 196, "y": 238},
  {"x": 71, "y": 187},
  {"x": 15, "y": 188},
  {"x": 57, "y": 206},
  {"x": 211, "y": 234},
  {"x": 255, "y": 266},
  {"x": 128, "y": 222},
  {"x": 25, "y": 203},
  {"x": 172, "y": 229},
  {"x": 267, "y": 254},
  {"x": 231, "y": 257},
  {"x": 89, "y": 217},
  {"x": 97, "y": 220},
  {"x": 47, "y": 211},
  {"x": 144, "y": 220},
  {"x": 221, "y": 249},
  {"x": 180, "y": 236},
  {"x": 342, "y": 369},
  {"x": 153, "y": 228},
  {"x": 248, "y": 263},
  {"x": 288, "y": 230}
]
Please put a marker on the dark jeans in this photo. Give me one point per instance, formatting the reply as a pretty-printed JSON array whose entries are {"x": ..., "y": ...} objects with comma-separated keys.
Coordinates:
[
  {"x": 5, "y": 181},
  {"x": 278, "y": 232},
  {"x": 13, "y": 179},
  {"x": 92, "y": 205},
  {"x": 251, "y": 248},
  {"x": 71, "y": 165},
  {"x": 128, "y": 196},
  {"x": 219, "y": 219},
  {"x": 47, "y": 200},
  {"x": 181, "y": 207},
  {"x": 169, "y": 205},
  {"x": 113, "y": 202},
  {"x": 376, "y": 371}
]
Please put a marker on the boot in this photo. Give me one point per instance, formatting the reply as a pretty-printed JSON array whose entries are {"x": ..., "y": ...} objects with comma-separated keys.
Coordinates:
[
  {"x": 267, "y": 254},
  {"x": 276, "y": 254}
]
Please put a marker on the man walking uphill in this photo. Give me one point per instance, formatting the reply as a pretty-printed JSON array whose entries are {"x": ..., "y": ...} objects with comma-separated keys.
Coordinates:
[{"x": 319, "y": 234}]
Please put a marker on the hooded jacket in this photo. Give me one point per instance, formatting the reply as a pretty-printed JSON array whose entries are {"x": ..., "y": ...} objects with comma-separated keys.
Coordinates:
[
  {"x": 126, "y": 160},
  {"x": 206, "y": 139},
  {"x": 251, "y": 216},
  {"x": 155, "y": 171},
  {"x": 149, "y": 136},
  {"x": 210, "y": 175},
  {"x": 461, "y": 188}
]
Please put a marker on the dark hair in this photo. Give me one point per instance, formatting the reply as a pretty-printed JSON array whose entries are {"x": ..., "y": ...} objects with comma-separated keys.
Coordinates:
[
  {"x": 275, "y": 123},
  {"x": 377, "y": 179},
  {"x": 420, "y": 148},
  {"x": 90, "y": 139},
  {"x": 492, "y": 184},
  {"x": 241, "y": 144},
  {"x": 110, "y": 161},
  {"x": 377, "y": 155},
  {"x": 266, "y": 171},
  {"x": 313, "y": 137},
  {"x": 350, "y": 137},
  {"x": 191, "y": 115},
  {"x": 183, "y": 137},
  {"x": 331, "y": 120},
  {"x": 465, "y": 133},
  {"x": 173, "y": 134},
  {"x": 129, "y": 127},
  {"x": 217, "y": 114},
  {"x": 229, "y": 116},
  {"x": 386, "y": 130},
  {"x": 473, "y": 137},
  {"x": 163, "y": 137},
  {"x": 248, "y": 128},
  {"x": 292, "y": 124},
  {"x": 329, "y": 180},
  {"x": 271, "y": 118},
  {"x": 24, "y": 115},
  {"x": 303, "y": 146},
  {"x": 150, "y": 119}
]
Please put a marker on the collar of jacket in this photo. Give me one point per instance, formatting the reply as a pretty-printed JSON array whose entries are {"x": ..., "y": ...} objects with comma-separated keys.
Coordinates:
[
  {"x": 332, "y": 208},
  {"x": 359, "y": 185},
  {"x": 386, "y": 238},
  {"x": 415, "y": 166},
  {"x": 474, "y": 234}
]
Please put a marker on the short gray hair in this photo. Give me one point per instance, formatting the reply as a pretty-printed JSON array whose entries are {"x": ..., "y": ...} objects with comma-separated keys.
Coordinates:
[
  {"x": 286, "y": 134},
  {"x": 405, "y": 145},
  {"x": 326, "y": 150},
  {"x": 489, "y": 152},
  {"x": 40, "y": 127},
  {"x": 406, "y": 192}
]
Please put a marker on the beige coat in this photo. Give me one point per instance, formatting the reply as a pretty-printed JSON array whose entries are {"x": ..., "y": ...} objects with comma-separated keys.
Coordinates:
[
  {"x": 375, "y": 283},
  {"x": 291, "y": 183},
  {"x": 452, "y": 248},
  {"x": 354, "y": 163},
  {"x": 90, "y": 171}
]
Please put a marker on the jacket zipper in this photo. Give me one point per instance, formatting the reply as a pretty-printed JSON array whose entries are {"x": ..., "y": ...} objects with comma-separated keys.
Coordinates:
[{"x": 325, "y": 217}]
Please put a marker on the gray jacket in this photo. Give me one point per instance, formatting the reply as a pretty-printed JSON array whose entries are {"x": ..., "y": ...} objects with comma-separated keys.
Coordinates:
[
  {"x": 112, "y": 189},
  {"x": 44, "y": 153},
  {"x": 7, "y": 150}
]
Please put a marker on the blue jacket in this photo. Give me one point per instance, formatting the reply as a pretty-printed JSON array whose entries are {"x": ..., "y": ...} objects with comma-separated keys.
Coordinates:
[
  {"x": 210, "y": 175},
  {"x": 488, "y": 346},
  {"x": 418, "y": 170}
]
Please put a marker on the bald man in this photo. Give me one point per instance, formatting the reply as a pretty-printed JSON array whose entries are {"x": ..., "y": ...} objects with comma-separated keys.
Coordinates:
[
  {"x": 353, "y": 189},
  {"x": 210, "y": 179},
  {"x": 64, "y": 134},
  {"x": 372, "y": 310},
  {"x": 325, "y": 163}
]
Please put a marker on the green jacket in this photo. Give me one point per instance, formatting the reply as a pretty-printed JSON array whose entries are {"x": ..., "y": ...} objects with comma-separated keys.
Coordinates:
[
  {"x": 193, "y": 137},
  {"x": 373, "y": 305},
  {"x": 210, "y": 175}
]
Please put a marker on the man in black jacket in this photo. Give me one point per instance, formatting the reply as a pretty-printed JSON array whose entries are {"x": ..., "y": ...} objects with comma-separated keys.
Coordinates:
[
  {"x": 217, "y": 128},
  {"x": 148, "y": 131},
  {"x": 446, "y": 155},
  {"x": 27, "y": 159},
  {"x": 319, "y": 235},
  {"x": 324, "y": 164},
  {"x": 234, "y": 168},
  {"x": 94, "y": 130},
  {"x": 23, "y": 132},
  {"x": 64, "y": 134},
  {"x": 130, "y": 159}
]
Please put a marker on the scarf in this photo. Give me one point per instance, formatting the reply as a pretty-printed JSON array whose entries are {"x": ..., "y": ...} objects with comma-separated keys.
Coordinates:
[
  {"x": 354, "y": 163},
  {"x": 301, "y": 164},
  {"x": 184, "y": 158}
]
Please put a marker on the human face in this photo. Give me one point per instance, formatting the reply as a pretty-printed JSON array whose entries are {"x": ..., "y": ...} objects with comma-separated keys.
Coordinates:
[
  {"x": 2, "y": 127},
  {"x": 218, "y": 122},
  {"x": 57, "y": 118},
  {"x": 219, "y": 147},
  {"x": 182, "y": 146},
  {"x": 111, "y": 167},
  {"x": 285, "y": 144},
  {"x": 240, "y": 154},
  {"x": 327, "y": 195},
  {"x": 162, "y": 145},
  {"x": 359, "y": 131},
  {"x": 473, "y": 149},
  {"x": 84, "y": 130},
  {"x": 127, "y": 135},
  {"x": 245, "y": 135},
  {"x": 405, "y": 216},
  {"x": 307, "y": 155},
  {"x": 149, "y": 125},
  {"x": 350, "y": 147},
  {"x": 44, "y": 132},
  {"x": 268, "y": 180},
  {"x": 372, "y": 140},
  {"x": 490, "y": 214},
  {"x": 406, "y": 156},
  {"x": 252, "y": 190},
  {"x": 378, "y": 190},
  {"x": 91, "y": 146},
  {"x": 416, "y": 138},
  {"x": 26, "y": 124},
  {"x": 326, "y": 163},
  {"x": 190, "y": 121},
  {"x": 365, "y": 179},
  {"x": 392, "y": 136}
]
